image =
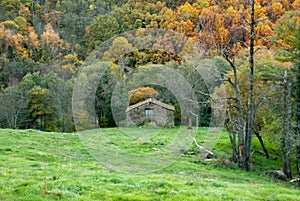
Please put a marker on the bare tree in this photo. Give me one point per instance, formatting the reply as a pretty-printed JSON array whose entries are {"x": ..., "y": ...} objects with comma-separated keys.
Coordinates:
[
  {"x": 61, "y": 94},
  {"x": 11, "y": 104}
]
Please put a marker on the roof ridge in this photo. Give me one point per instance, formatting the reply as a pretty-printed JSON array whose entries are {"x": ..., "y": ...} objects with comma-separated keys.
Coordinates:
[{"x": 150, "y": 100}]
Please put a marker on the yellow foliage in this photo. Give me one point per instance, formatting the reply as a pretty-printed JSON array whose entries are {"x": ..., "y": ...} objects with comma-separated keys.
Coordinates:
[
  {"x": 188, "y": 49},
  {"x": 187, "y": 11},
  {"x": 168, "y": 14},
  {"x": 8, "y": 24},
  {"x": 92, "y": 7},
  {"x": 285, "y": 3},
  {"x": 237, "y": 47},
  {"x": 120, "y": 47},
  {"x": 221, "y": 32},
  {"x": 277, "y": 9},
  {"x": 71, "y": 63},
  {"x": 260, "y": 12}
]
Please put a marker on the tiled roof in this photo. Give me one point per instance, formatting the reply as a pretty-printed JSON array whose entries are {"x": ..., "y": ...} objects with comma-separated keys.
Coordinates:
[{"x": 153, "y": 101}]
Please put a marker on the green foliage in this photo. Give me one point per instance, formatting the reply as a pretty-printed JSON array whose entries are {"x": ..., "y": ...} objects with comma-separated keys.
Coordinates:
[
  {"x": 103, "y": 28},
  {"x": 222, "y": 65},
  {"x": 177, "y": 115},
  {"x": 203, "y": 3},
  {"x": 39, "y": 106},
  {"x": 205, "y": 116},
  {"x": 287, "y": 36},
  {"x": 49, "y": 100},
  {"x": 120, "y": 47},
  {"x": 103, "y": 98},
  {"x": 268, "y": 94},
  {"x": 130, "y": 16}
]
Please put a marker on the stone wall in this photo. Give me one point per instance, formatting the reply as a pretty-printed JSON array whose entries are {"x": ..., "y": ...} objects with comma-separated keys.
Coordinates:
[{"x": 162, "y": 116}]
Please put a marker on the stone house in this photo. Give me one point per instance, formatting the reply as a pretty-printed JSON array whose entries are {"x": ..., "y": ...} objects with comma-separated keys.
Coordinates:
[{"x": 150, "y": 110}]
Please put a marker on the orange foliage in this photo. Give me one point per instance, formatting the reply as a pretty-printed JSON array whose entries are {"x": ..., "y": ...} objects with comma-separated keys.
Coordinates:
[
  {"x": 51, "y": 17},
  {"x": 50, "y": 37},
  {"x": 25, "y": 12},
  {"x": 18, "y": 43},
  {"x": 5, "y": 39},
  {"x": 296, "y": 5},
  {"x": 263, "y": 31},
  {"x": 51, "y": 43},
  {"x": 140, "y": 94}
]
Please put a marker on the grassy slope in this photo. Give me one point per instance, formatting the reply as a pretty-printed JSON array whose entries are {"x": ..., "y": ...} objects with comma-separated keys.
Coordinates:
[{"x": 55, "y": 166}]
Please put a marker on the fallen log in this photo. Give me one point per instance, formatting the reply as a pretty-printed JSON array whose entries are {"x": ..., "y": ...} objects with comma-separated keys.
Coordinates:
[{"x": 202, "y": 148}]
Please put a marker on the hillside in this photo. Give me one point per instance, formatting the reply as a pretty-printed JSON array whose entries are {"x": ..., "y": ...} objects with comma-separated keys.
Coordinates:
[{"x": 57, "y": 166}]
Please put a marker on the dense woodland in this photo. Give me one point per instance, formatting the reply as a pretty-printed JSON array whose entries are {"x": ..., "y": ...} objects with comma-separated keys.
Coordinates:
[{"x": 253, "y": 44}]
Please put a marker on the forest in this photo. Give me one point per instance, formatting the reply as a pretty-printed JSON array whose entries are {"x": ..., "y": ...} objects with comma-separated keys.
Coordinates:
[{"x": 240, "y": 58}]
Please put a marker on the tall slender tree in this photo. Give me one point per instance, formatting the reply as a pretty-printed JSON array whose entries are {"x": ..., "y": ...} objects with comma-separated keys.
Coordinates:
[
  {"x": 286, "y": 130},
  {"x": 250, "y": 114},
  {"x": 287, "y": 39}
]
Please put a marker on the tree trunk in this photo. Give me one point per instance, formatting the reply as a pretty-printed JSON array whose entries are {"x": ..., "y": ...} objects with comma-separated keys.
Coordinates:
[
  {"x": 284, "y": 137},
  {"x": 189, "y": 121},
  {"x": 297, "y": 134},
  {"x": 298, "y": 165},
  {"x": 240, "y": 127},
  {"x": 250, "y": 116},
  {"x": 289, "y": 133},
  {"x": 232, "y": 138},
  {"x": 233, "y": 144},
  {"x": 259, "y": 137}
]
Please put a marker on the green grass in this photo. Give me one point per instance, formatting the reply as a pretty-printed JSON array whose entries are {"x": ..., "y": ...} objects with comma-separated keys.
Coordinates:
[{"x": 55, "y": 166}]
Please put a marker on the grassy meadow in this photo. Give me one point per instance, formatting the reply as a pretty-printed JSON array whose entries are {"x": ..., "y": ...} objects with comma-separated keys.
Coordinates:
[{"x": 58, "y": 166}]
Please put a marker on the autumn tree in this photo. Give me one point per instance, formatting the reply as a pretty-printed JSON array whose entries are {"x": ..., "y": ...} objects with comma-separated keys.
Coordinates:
[
  {"x": 184, "y": 20},
  {"x": 141, "y": 94},
  {"x": 228, "y": 32},
  {"x": 52, "y": 43},
  {"x": 214, "y": 34}
]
